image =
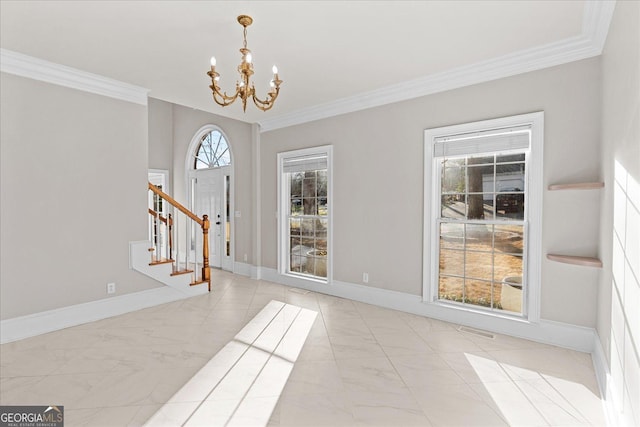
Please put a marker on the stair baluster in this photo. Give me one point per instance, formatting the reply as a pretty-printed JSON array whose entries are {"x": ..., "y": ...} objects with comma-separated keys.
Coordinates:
[
  {"x": 187, "y": 252},
  {"x": 163, "y": 237},
  {"x": 170, "y": 245}
]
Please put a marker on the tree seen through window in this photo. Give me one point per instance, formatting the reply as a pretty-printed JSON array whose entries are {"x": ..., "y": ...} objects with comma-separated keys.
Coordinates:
[{"x": 213, "y": 151}]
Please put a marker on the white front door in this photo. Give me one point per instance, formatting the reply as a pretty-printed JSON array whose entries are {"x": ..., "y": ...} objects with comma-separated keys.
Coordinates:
[{"x": 209, "y": 197}]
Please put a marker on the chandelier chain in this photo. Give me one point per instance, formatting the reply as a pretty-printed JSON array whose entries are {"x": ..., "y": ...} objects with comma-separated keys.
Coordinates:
[{"x": 245, "y": 37}]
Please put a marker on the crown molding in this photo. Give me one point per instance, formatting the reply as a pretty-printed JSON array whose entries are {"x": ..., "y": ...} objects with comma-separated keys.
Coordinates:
[
  {"x": 596, "y": 19},
  {"x": 38, "y": 69}
]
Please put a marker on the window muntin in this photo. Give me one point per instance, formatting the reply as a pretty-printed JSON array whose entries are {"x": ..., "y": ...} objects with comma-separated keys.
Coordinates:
[
  {"x": 481, "y": 223},
  {"x": 479, "y": 263},
  {"x": 483, "y": 187},
  {"x": 305, "y": 226},
  {"x": 308, "y": 223},
  {"x": 212, "y": 152}
]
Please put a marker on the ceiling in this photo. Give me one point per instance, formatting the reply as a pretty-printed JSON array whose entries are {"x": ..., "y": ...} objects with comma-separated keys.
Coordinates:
[{"x": 334, "y": 56}]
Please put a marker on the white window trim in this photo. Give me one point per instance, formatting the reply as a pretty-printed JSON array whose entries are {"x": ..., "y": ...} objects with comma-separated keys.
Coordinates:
[
  {"x": 534, "y": 186},
  {"x": 281, "y": 215}
]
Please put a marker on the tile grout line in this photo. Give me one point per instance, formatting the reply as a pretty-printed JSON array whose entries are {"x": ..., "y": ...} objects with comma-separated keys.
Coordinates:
[
  {"x": 513, "y": 381},
  {"x": 583, "y": 420},
  {"x": 263, "y": 366}
]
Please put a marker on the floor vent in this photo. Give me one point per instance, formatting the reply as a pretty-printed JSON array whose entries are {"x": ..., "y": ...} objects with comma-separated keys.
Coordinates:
[
  {"x": 299, "y": 291},
  {"x": 478, "y": 332}
]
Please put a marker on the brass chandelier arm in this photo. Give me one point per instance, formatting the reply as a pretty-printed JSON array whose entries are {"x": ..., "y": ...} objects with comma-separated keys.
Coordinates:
[
  {"x": 268, "y": 103},
  {"x": 224, "y": 99},
  {"x": 218, "y": 96}
]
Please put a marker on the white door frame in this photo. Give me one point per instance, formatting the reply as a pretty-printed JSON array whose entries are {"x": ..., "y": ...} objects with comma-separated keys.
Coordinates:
[
  {"x": 160, "y": 176},
  {"x": 228, "y": 263}
]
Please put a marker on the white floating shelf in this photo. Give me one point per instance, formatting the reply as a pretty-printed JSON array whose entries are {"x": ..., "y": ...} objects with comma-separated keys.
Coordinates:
[
  {"x": 576, "y": 260},
  {"x": 577, "y": 186}
]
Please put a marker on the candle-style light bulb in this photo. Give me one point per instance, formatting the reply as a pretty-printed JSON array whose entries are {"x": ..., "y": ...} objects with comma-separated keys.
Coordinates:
[
  {"x": 248, "y": 58},
  {"x": 213, "y": 61},
  {"x": 274, "y": 69}
]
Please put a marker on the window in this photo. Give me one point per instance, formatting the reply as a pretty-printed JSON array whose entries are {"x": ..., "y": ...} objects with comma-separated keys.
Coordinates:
[
  {"x": 480, "y": 230},
  {"x": 305, "y": 220},
  {"x": 213, "y": 151}
]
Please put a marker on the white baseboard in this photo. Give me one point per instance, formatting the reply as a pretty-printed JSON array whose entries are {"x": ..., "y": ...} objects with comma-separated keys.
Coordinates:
[
  {"x": 610, "y": 401},
  {"x": 546, "y": 331},
  {"x": 600, "y": 365},
  {"x": 248, "y": 270},
  {"x": 242, "y": 268},
  {"x": 256, "y": 272},
  {"x": 52, "y": 320},
  {"x": 549, "y": 332}
]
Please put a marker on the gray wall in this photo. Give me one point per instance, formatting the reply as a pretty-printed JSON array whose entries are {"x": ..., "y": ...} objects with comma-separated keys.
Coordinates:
[
  {"x": 70, "y": 203},
  {"x": 161, "y": 135},
  {"x": 619, "y": 297},
  {"x": 73, "y": 173},
  {"x": 378, "y": 180}
]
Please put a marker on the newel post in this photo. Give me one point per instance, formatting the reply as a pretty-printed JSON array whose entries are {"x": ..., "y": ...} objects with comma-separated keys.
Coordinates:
[{"x": 206, "y": 273}]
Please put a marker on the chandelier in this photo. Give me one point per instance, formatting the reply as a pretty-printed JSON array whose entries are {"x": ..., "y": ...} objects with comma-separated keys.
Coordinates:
[{"x": 244, "y": 88}]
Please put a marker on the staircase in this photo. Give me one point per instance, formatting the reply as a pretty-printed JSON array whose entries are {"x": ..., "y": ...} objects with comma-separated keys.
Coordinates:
[{"x": 178, "y": 252}]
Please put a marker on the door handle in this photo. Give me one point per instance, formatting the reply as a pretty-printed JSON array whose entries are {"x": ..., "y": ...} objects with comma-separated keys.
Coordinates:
[{"x": 217, "y": 222}]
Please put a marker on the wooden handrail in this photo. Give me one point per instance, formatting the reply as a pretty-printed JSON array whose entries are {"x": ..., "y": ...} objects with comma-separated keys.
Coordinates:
[{"x": 177, "y": 205}]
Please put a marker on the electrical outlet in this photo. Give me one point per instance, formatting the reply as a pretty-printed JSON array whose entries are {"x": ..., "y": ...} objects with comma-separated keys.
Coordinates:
[
  {"x": 111, "y": 288},
  {"x": 245, "y": 258},
  {"x": 365, "y": 277}
]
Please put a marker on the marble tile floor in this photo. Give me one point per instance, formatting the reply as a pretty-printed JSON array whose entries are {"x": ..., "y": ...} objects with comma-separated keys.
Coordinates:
[{"x": 361, "y": 365}]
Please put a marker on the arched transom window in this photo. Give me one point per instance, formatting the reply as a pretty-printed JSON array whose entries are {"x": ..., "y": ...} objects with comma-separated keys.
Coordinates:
[{"x": 213, "y": 151}]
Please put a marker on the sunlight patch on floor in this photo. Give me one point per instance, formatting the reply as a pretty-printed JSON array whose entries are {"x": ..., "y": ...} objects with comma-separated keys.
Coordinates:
[
  {"x": 529, "y": 397},
  {"x": 242, "y": 383}
]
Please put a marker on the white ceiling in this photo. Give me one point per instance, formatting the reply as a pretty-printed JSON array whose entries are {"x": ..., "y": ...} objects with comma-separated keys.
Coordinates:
[{"x": 328, "y": 52}]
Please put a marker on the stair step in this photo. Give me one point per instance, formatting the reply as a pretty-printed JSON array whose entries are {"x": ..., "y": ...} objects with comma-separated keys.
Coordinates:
[
  {"x": 177, "y": 273},
  {"x": 197, "y": 282},
  {"x": 161, "y": 261}
]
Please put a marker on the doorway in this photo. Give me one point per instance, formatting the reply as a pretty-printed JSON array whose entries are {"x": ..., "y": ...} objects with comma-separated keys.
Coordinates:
[
  {"x": 157, "y": 235},
  {"x": 210, "y": 192},
  {"x": 210, "y": 195}
]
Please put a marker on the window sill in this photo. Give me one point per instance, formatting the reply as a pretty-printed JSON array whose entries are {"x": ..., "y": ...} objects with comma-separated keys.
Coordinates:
[
  {"x": 306, "y": 278},
  {"x": 486, "y": 314}
]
